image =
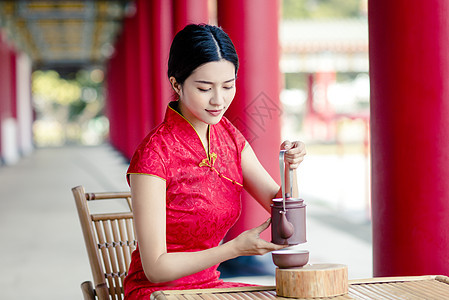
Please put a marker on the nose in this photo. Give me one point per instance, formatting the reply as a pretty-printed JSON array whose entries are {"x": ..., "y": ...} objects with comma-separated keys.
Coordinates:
[{"x": 217, "y": 98}]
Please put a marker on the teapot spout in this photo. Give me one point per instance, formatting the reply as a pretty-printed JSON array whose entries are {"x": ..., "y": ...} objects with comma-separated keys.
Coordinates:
[{"x": 286, "y": 228}]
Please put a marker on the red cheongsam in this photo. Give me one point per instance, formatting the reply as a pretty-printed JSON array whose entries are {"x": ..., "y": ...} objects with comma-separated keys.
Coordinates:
[{"x": 203, "y": 194}]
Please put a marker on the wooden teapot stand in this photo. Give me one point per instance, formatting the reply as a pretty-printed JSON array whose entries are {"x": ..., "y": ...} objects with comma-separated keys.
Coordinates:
[{"x": 312, "y": 281}]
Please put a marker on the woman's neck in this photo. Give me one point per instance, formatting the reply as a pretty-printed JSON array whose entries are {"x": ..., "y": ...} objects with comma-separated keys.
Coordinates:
[
  {"x": 203, "y": 132},
  {"x": 200, "y": 127}
]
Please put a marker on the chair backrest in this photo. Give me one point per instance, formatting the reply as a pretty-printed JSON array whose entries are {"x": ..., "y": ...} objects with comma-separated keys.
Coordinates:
[{"x": 109, "y": 238}]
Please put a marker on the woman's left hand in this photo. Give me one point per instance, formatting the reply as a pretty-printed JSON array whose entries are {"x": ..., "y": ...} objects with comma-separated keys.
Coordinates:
[{"x": 295, "y": 153}]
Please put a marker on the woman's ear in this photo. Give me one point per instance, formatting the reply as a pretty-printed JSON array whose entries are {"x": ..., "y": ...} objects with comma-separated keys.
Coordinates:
[{"x": 175, "y": 85}]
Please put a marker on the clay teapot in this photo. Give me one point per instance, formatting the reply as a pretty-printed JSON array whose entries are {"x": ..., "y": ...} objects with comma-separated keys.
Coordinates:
[{"x": 288, "y": 214}]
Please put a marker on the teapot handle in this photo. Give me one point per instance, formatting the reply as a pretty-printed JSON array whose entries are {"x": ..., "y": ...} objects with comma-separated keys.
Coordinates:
[{"x": 282, "y": 169}]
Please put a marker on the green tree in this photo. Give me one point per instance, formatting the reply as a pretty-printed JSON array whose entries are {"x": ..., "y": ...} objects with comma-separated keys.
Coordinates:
[
  {"x": 321, "y": 9},
  {"x": 67, "y": 109}
]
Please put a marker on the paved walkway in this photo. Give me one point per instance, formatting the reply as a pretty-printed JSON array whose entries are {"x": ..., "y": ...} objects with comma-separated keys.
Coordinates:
[{"x": 43, "y": 255}]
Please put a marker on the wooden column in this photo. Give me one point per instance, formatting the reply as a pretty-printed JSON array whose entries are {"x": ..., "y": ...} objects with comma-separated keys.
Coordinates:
[
  {"x": 145, "y": 75},
  {"x": 138, "y": 88},
  {"x": 256, "y": 111},
  {"x": 189, "y": 11},
  {"x": 409, "y": 70},
  {"x": 116, "y": 93},
  {"x": 24, "y": 103},
  {"x": 131, "y": 84},
  {"x": 161, "y": 35},
  {"x": 8, "y": 112}
]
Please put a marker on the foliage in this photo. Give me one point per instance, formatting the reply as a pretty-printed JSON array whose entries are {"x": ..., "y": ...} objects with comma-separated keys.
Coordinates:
[
  {"x": 68, "y": 110},
  {"x": 49, "y": 86},
  {"x": 321, "y": 9}
]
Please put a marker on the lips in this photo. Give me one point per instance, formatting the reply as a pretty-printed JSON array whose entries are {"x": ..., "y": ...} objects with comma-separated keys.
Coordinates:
[{"x": 214, "y": 112}]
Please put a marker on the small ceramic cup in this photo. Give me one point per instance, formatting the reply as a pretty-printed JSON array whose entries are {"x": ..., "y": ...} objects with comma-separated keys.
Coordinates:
[{"x": 290, "y": 258}]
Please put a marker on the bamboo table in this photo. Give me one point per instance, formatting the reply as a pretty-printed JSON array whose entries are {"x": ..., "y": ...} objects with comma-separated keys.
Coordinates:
[{"x": 413, "y": 287}]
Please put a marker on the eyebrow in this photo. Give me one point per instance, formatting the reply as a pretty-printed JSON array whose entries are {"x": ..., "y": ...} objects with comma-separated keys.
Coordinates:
[{"x": 210, "y": 82}]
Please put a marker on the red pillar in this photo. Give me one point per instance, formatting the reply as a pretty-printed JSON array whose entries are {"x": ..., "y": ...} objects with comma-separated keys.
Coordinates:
[
  {"x": 138, "y": 85},
  {"x": 3, "y": 104},
  {"x": 13, "y": 85},
  {"x": 409, "y": 69},
  {"x": 110, "y": 106},
  {"x": 116, "y": 102},
  {"x": 131, "y": 83},
  {"x": 143, "y": 15},
  {"x": 7, "y": 103},
  {"x": 189, "y": 11},
  {"x": 323, "y": 80},
  {"x": 161, "y": 35},
  {"x": 253, "y": 27}
]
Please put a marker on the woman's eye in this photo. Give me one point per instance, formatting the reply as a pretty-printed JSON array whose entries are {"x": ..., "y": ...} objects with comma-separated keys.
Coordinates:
[
  {"x": 228, "y": 87},
  {"x": 204, "y": 90}
]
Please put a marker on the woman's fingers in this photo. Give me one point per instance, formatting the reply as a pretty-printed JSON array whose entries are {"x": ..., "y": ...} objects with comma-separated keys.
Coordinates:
[
  {"x": 262, "y": 227},
  {"x": 286, "y": 145},
  {"x": 295, "y": 153},
  {"x": 250, "y": 243},
  {"x": 266, "y": 247}
]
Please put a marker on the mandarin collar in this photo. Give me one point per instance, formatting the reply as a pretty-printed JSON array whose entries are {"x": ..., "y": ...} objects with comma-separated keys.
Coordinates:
[{"x": 182, "y": 126}]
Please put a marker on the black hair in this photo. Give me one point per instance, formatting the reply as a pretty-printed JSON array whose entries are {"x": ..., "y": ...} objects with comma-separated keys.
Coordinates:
[{"x": 196, "y": 45}]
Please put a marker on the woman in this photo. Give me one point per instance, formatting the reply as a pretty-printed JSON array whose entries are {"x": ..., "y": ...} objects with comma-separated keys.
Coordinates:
[{"x": 187, "y": 175}]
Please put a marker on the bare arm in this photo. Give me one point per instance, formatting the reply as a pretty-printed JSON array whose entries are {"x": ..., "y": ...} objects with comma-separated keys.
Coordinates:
[
  {"x": 256, "y": 180},
  {"x": 148, "y": 196}
]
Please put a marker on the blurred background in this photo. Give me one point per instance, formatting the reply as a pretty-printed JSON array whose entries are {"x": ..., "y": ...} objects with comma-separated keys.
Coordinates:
[
  {"x": 324, "y": 96},
  {"x": 61, "y": 99}
]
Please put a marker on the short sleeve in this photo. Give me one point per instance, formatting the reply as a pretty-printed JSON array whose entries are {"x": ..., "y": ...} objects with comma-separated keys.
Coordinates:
[{"x": 147, "y": 160}]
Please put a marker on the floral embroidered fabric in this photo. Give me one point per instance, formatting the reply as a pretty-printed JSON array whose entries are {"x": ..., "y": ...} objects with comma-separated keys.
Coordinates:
[{"x": 203, "y": 193}]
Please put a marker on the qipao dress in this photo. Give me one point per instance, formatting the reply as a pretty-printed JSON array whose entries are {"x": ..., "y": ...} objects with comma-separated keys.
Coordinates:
[{"x": 203, "y": 189}]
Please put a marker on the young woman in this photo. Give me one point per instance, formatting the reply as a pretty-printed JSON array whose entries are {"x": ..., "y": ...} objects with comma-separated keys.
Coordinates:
[{"x": 187, "y": 175}]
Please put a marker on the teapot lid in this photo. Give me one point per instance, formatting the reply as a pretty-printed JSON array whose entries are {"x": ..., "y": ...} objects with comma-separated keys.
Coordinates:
[{"x": 290, "y": 202}]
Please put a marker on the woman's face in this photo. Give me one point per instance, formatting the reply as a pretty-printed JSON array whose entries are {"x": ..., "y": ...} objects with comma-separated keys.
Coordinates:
[{"x": 207, "y": 93}]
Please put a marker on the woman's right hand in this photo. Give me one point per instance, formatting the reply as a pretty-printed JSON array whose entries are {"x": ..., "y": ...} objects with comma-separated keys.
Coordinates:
[{"x": 250, "y": 243}]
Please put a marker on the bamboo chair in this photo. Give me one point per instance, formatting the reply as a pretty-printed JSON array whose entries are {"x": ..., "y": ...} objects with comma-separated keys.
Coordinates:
[{"x": 110, "y": 240}]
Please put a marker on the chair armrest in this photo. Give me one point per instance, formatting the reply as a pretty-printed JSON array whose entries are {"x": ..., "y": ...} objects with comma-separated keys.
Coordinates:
[{"x": 88, "y": 290}]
